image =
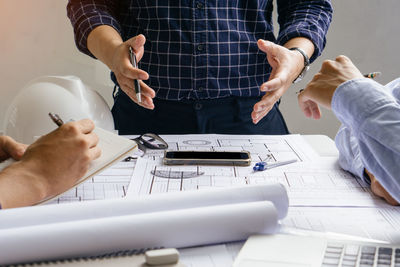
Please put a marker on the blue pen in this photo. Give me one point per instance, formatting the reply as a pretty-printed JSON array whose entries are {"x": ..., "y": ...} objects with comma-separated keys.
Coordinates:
[{"x": 262, "y": 166}]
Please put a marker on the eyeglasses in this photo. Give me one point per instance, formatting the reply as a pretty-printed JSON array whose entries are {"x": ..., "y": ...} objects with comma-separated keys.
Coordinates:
[{"x": 148, "y": 140}]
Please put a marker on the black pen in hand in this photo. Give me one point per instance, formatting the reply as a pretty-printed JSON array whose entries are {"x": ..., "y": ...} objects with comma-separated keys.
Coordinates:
[{"x": 135, "y": 81}]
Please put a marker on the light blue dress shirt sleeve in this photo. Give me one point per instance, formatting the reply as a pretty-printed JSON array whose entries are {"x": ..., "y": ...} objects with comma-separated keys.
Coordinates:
[
  {"x": 349, "y": 156},
  {"x": 370, "y": 135}
]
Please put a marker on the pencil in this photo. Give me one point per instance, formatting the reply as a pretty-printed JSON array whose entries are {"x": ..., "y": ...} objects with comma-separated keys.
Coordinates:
[
  {"x": 372, "y": 75},
  {"x": 56, "y": 119}
]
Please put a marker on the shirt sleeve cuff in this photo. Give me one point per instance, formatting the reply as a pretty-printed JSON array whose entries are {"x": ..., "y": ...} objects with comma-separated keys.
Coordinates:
[
  {"x": 355, "y": 100},
  {"x": 349, "y": 152}
]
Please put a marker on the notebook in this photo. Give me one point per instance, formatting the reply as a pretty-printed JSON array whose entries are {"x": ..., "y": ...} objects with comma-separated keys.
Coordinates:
[
  {"x": 282, "y": 250},
  {"x": 113, "y": 149}
]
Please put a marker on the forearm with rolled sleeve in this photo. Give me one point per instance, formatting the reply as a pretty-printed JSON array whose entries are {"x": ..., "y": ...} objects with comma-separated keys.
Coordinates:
[
  {"x": 85, "y": 15},
  {"x": 301, "y": 18},
  {"x": 369, "y": 137}
]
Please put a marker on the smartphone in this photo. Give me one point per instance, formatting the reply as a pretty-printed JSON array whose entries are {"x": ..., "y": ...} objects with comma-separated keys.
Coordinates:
[{"x": 238, "y": 158}]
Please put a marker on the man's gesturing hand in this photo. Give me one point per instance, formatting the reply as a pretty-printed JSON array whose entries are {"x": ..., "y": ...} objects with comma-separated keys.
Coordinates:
[
  {"x": 286, "y": 66},
  {"x": 126, "y": 73}
]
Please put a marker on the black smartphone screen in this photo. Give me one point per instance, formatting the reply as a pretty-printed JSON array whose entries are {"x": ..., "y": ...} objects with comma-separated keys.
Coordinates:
[{"x": 206, "y": 155}]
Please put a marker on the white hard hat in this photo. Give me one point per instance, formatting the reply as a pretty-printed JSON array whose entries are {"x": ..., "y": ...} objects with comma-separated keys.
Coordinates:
[{"x": 27, "y": 116}]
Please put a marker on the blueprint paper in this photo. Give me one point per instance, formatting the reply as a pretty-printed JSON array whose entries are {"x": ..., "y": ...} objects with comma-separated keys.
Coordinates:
[
  {"x": 380, "y": 223},
  {"x": 322, "y": 196},
  {"x": 311, "y": 181},
  {"x": 114, "y": 182}
]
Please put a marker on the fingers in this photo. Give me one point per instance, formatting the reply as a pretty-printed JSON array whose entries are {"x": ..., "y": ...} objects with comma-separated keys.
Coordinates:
[
  {"x": 92, "y": 140},
  {"x": 127, "y": 74},
  {"x": 310, "y": 109},
  {"x": 146, "y": 92},
  {"x": 279, "y": 76},
  {"x": 137, "y": 42},
  {"x": 261, "y": 108},
  {"x": 11, "y": 148},
  {"x": 315, "y": 110},
  {"x": 94, "y": 153},
  {"x": 338, "y": 59},
  {"x": 305, "y": 107},
  {"x": 342, "y": 59},
  {"x": 128, "y": 71},
  {"x": 257, "y": 116},
  {"x": 85, "y": 126},
  {"x": 273, "y": 84},
  {"x": 379, "y": 190},
  {"x": 147, "y": 96},
  {"x": 330, "y": 65},
  {"x": 268, "y": 100},
  {"x": 267, "y": 46},
  {"x": 327, "y": 66},
  {"x": 127, "y": 84},
  {"x": 89, "y": 140},
  {"x": 345, "y": 61}
]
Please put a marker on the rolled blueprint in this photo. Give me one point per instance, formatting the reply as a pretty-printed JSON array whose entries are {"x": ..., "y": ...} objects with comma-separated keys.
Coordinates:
[
  {"x": 174, "y": 228},
  {"x": 28, "y": 216}
]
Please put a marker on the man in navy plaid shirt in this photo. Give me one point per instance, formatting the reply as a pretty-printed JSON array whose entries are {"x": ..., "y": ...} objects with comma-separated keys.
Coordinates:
[{"x": 205, "y": 66}]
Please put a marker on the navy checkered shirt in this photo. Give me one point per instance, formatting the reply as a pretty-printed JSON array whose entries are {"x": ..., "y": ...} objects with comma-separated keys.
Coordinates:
[{"x": 203, "y": 49}]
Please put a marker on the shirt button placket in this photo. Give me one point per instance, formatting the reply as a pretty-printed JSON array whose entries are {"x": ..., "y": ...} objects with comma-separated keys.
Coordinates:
[
  {"x": 200, "y": 49},
  {"x": 198, "y": 106}
]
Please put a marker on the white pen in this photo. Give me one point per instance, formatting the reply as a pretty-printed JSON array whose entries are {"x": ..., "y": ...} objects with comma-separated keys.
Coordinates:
[{"x": 262, "y": 166}]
